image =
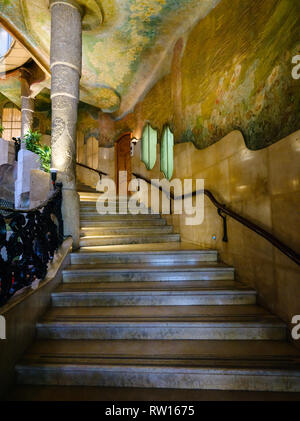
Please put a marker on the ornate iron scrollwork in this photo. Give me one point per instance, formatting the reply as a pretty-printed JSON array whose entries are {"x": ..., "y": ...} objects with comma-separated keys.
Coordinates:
[{"x": 28, "y": 241}]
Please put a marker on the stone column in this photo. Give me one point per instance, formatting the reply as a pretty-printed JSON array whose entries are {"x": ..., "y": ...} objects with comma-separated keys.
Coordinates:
[
  {"x": 27, "y": 160},
  {"x": 66, "y": 53},
  {"x": 27, "y": 104}
]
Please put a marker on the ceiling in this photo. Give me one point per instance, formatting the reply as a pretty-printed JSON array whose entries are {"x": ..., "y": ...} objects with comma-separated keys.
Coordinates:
[{"x": 127, "y": 44}]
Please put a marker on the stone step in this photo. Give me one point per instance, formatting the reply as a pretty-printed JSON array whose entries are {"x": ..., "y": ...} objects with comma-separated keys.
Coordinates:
[
  {"x": 206, "y": 271},
  {"x": 218, "y": 365},
  {"x": 94, "y": 196},
  {"x": 117, "y": 230},
  {"x": 128, "y": 239},
  {"x": 150, "y": 294},
  {"x": 124, "y": 223},
  {"x": 30, "y": 393},
  {"x": 157, "y": 257},
  {"x": 117, "y": 217},
  {"x": 92, "y": 210},
  {"x": 238, "y": 322},
  {"x": 84, "y": 188}
]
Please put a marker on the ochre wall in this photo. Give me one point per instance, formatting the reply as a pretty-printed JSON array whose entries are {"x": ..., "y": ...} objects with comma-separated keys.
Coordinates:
[
  {"x": 262, "y": 185},
  {"x": 233, "y": 71}
]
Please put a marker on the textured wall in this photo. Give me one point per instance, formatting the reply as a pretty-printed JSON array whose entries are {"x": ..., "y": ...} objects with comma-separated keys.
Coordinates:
[
  {"x": 232, "y": 72},
  {"x": 262, "y": 185}
]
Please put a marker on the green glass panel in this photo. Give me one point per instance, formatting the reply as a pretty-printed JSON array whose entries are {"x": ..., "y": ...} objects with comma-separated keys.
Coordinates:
[
  {"x": 167, "y": 153},
  {"x": 149, "y": 142}
]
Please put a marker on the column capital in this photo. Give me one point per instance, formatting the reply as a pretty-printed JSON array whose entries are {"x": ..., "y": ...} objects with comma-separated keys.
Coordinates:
[
  {"x": 25, "y": 79},
  {"x": 71, "y": 3},
  {"x": 25, "y": 73}
]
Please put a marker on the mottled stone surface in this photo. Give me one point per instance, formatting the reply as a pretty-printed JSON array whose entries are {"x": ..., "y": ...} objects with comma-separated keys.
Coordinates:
[
  {"x": 40, "y": 187},
  {"x": 66, "y": 69}
]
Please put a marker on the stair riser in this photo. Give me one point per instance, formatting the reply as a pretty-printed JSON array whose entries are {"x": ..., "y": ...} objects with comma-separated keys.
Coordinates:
[
  {"x": 126, "y": 223},
  {"x": 127, "y": 230},
  {"x": 215, "y": 379},
  {"x": 153, "y": 259},
  {"x": 208, "y": 332},
  {"x": 89, "y": 276},
  {"x": 159, "y": 238},
  {"x": 90, "y": 300}
]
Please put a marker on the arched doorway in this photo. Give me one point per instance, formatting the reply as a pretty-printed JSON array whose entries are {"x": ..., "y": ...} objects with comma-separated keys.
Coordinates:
[{"x": 123, "y": 162}]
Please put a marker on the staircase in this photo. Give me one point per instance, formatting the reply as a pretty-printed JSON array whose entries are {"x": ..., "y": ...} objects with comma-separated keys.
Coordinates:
[{"x": 139, "y": 308}]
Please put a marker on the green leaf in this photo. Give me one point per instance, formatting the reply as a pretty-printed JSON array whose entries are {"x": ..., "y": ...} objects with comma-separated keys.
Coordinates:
[{"x": 32, "y": 141}]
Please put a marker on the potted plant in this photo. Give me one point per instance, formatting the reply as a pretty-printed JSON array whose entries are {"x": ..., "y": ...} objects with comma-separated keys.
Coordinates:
[
  {"x": 32, "y": 142},
  {"x": 1, "y": 130}
]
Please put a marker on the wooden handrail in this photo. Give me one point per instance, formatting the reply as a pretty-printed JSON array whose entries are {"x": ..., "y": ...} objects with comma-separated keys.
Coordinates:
[
  {"x": 100, "y": 173},
  {"x": 224, "y": 210}
]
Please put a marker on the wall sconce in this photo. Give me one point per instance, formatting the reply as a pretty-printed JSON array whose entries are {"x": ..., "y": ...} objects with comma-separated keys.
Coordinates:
[
  {"x": 53, "y": 172},
  {"x": 133, "y": 142}
]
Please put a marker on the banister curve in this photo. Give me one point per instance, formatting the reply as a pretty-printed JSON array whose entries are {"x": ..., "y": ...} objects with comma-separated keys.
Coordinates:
[{"x": 285, "y": 249}]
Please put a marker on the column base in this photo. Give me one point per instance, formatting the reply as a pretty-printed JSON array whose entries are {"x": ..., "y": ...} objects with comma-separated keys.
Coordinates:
[{"x": 71, "y": 215}]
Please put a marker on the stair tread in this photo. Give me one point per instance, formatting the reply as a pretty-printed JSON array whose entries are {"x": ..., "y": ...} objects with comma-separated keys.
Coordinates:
[
  {"x": 163, "y": 353},
  {"x": 88, "y": 232},
  {"x": 130, "y": 228},
  {"x": 237, "y": 314},
  {"x": 140, "y": 267},
  {"x": 148, "y": 287},
  {"x": 131, "y": 235},
  {"x": 180, "y": 247}
]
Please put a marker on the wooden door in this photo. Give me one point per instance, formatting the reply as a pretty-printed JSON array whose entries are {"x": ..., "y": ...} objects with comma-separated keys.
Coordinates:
[{"x": 123, "y": 163}]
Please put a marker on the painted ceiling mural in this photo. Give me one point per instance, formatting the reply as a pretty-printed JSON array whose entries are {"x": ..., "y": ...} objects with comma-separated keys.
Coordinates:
[
  {"x": 235, "y": 73},
  {"x": 205, "y": 67},
  {"x": 124, "y": 42}
]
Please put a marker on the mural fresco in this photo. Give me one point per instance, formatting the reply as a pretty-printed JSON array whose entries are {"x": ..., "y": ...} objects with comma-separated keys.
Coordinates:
[
  {"x": 234, "y": 74},
  {"x": 124, "y": 42},
  {"x": 205, "y": 68}
]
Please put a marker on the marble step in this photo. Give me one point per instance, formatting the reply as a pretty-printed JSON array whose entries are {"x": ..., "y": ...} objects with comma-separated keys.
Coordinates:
[
  {"x": 155, "y": 257},
  {"x": 218, "y": 365},
  {"x": 30, "y": 393},
  {"x": 125, "y": 223},
  {"x": 205, "y": 271},
  {"x": 150, "y": 293},
  {"x": 94, "y": 196},
  {"x": 92, "y": 210},
  {"x": 99, "y": 240},
  {"x": 117, "y": 217},
  {"x": 238, "y": 322},
  {"x": 135, "y": 230}
]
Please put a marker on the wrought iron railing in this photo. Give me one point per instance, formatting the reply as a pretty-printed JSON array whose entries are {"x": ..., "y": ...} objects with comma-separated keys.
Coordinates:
[
  {"x": 17, "y": 141},
  {"x": 28, "y": 241},
  {"x": 224, "y": 211}
]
